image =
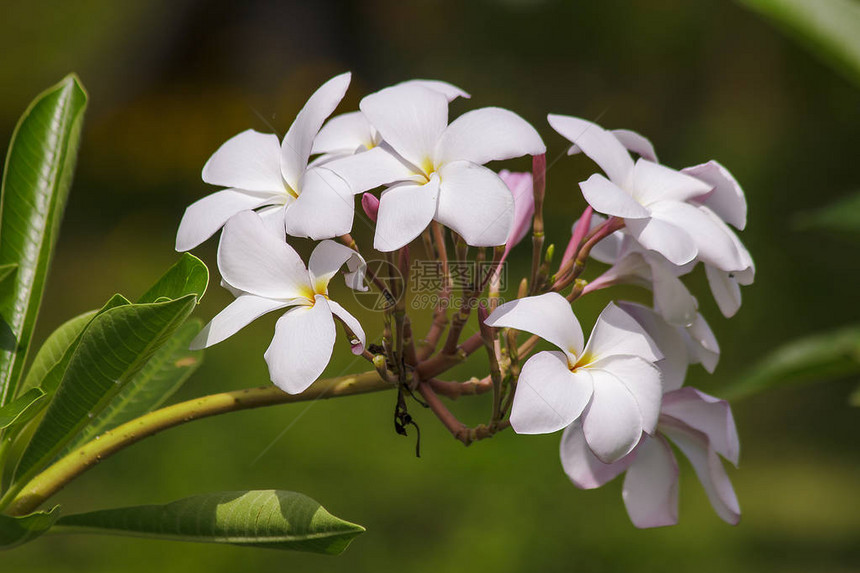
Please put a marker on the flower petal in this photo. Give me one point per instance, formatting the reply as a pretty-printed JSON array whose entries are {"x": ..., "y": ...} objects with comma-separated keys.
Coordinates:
[
  {"x": 548, "y": 315},
  {"x": 249, "y": 161},
  {"x": 612, "y": 422},
  {"x": 325, "y": 207},
  {"x": 344, "y": 134},
  {"x": 702, "y": 345},
  {"x": 636, "y": 143},
  {"x": 476, "y": 203},
  {"x": 607, "y": 197},
  {"x": 668, "y": 339},
  {"x": 616, "y": 332},
  {"x": 327, "y": 258},
  {"x": 273, "y": 217},
  {"x": 549, "y": 396},
  {"x": 651, "y": 485},
  {"x": 671, "y": 296},
  {"x": 727, "y": 199},
  {"x": 642, "y": 379},
  {"x": 600, "y": 145},
  {"x": 370, "y": 169},
  {"x": 450, "y": 91},
  {"x": 708, "y": 467},
  {"x": 712, "y": 238},
  {"x": 653, "y": 182},
  {"x": 352, "y": 323},
  {"x": 668, "y": 239},
  {"x": 582, "y": 466},
  {"x": 707, "y": 414},
  {"x": 238, "y": 314},
  {"x": 725, "y": 289},
  {"x": 410, "y": 118},
  {"x": 251, "y": 258},
  {"x": 488, "y": 134},
  {"x": 405, "y": 210},
  {"x": 522, "y": 188},
  {"x": 297, "y": 144},
  {"x": 302, "y": 346},
  {"x": 204, "y": 217}
]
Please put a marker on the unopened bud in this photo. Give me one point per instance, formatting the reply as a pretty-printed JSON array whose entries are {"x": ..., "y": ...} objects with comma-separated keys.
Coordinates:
[
  {"x": 550, "y": 251},
  {"x": 370, "y": 204}
]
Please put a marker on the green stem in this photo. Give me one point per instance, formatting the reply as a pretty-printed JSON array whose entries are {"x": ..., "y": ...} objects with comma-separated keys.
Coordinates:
[{"x": 25, "y": 499}]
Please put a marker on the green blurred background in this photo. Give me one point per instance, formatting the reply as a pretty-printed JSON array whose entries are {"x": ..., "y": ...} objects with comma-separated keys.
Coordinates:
[{"x": 171, "y": 80}]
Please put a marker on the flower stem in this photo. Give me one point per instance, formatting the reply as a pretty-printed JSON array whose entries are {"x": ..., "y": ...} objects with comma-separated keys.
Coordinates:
[{"x": 23, "y": 500}]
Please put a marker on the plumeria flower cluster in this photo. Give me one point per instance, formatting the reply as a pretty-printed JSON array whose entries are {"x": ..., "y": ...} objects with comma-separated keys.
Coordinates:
[{"x": 617, "y": 395}]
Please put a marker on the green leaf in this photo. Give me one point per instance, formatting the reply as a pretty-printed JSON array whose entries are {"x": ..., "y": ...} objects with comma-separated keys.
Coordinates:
[
  {"x": 113, "y": 348},
  {"x": 18, "y": 409},
  {"x": 817, "y": 358},
  {"x": 842, "y": 215},
  {"x": 163, "y": 375},
  {"x": 265, "y": 518},
  {"x": 36, "y": 181},
  {"x": 7, "y": 270},
  {"x": 188, "y": 276},
  {"x": 16, "y": 531},
  {"x": 828, "y": 28}
]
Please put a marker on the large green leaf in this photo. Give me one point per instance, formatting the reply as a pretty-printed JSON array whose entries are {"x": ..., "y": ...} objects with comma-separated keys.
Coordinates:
[
  {"x": 266, "y": 518},
  {"x": 16, "y": 531},
  {"x": 817, "y": 358},
  {"x": 163, "y": 375},
  {"x": 188, "y": 276},
  {"x": 842, "y": 215},
  {"x": 112, "y": 349},
  {"x": 36, "y": 181},
  {"x": 829, "y": 28}
]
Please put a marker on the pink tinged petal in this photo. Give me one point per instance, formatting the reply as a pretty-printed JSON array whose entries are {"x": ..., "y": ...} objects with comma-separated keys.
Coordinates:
[
  {"x": 273, "y": 217},
  {"x": 725, "y": 289},
  {"x": 450, "y": 91},
  {"x": 252, "y": 259},
  {"x": 702, "y": 345},
  {"x": 577, "y": 233},
  {"x": 522, "y": 188},
  {"x": 488, "y": 134},
  {"x": 612, "y": 422},
  {"x": 582, "y": 466},
  {"x": 668, "y": 339},
  {"x": 610, "y": 199},
  {"x": 344, "y": 134},
  {"x": 651, "y": 485},
  {"x": 238, "y": 314},
  {"x": 727, "y": 198},
  {"x": 549, "y": 396},
  {"x": 204, "y": 217},
  {"x": 630, "y": 269},
  {"x": 616, "y": 332},
  {"x": 297, "y": 144},
  {"x": 410, "y": 118},
  {"x": 668, "y": 239},
  {"x": 370, "y": 169},
  {"x": 653, "y": 182},
  {"x": 357, "y": 345},
  {"x": 250, "y": 161},
  {"x": 548, "y": 315},
  {"x": 302, "y": 346},
  {"x": 636, "y": 143},
  {"x": 325, "y": 207},
  {"x": 405, "y": 210},
  {"x": 642, "y": 379},
  {"x": 712, "y": 238},
  {"x": 598, "y": 144},
  {"x": 709, "y": 469},
  {"x": 476, "y": 203},
  {"x": 671, "y": 296},
  {"x": 370, "y": 204},
  {"x": 327, "y": 258},
  {"x": 707, "y": 414}
]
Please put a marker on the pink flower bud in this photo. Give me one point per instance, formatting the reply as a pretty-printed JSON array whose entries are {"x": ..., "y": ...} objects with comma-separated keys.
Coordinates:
[
  {"x": 370, "y": 204},
  {"x": 521, "y": 187}
]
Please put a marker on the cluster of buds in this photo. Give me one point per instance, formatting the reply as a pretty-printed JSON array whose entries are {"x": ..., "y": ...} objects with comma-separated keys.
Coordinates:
[{"x": 619, "y": 397}]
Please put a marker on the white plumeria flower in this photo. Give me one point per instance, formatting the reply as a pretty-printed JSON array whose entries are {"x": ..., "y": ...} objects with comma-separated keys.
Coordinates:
[
  {"x": 351, "y": 133},
  {"x": 653, "y": 200},
  {"x": 701, "y": 426},
  {"x": 631, "y": 263},
  {"x": 611, "y": 382},
  {"x": 266, "y": 274},
  {"x": 274, "y": 177},
  {"x": 725, "y": 202},
  {"x": 435, "y": 170}
]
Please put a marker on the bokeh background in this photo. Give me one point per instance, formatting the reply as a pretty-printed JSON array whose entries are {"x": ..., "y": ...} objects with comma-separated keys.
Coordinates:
[{"x": 171, "y": 80}]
